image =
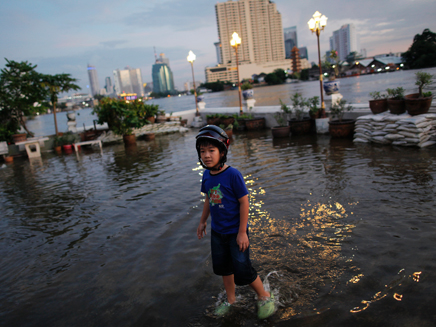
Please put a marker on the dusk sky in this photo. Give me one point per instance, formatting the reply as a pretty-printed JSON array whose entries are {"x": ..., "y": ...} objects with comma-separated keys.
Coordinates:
[{"x": 64, "y": 36}]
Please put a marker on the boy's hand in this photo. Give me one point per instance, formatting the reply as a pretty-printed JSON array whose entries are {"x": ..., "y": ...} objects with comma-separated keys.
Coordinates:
[
  {"x": 201, "y": 230},
  {"x": 242, "y": 241}
]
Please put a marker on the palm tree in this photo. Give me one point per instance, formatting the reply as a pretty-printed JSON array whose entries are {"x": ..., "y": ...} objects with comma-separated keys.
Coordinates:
[{"x": 56, "y": 84}]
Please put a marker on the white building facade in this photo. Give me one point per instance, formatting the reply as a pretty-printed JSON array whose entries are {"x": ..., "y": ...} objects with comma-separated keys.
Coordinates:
[
  {"x": 345, "y": 40},
  {"x": 128, "y": 81}
]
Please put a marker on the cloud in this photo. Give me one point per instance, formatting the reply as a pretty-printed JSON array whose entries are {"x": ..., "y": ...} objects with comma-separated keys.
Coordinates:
[{"x": 113, "y": 43}]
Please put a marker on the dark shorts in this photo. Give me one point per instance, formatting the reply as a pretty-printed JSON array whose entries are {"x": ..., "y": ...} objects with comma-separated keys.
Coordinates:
[{"x": 228, "y": 260}]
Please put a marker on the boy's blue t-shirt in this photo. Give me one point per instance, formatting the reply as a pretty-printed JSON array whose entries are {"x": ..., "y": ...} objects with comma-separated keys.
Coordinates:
[{"x": 224, "y": 191}]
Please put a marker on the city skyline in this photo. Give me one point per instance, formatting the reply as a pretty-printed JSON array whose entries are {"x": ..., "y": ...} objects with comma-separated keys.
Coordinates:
[{"x": 65, "y": 38}]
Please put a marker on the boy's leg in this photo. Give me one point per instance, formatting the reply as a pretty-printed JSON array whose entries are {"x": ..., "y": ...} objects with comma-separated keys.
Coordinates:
[
  {"x": 229, "y": 285},
  {"x": 257, "y": 286}
]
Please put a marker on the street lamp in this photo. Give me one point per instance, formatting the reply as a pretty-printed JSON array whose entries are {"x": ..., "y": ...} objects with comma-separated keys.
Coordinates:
[
  {"x": 234, "y": 42},
  {"x": 191, "y": 58},
  {"x": 317, "y": 24}
]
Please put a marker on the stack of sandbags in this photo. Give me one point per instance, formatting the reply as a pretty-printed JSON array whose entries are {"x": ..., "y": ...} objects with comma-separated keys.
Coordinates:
[{"x": 406, "y": 130}]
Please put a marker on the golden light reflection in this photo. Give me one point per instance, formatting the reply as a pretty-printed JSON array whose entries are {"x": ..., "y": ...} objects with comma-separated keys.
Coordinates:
[
  {"x": 416, "y": 275},
  {"x": 398, "y": 297},
  {"x": 356, "y": 279}
]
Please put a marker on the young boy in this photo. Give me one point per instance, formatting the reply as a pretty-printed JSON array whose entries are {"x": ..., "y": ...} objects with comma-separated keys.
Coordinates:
[{"x": 227, "y": 202}]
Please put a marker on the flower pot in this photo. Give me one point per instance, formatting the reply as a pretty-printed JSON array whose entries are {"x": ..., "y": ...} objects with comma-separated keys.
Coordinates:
[
  {"x": 226, "y": 121},
  {"x": 248, "y": 94},
  {"x": 213, "y": 121},
  {"x": 254, "y": 124},
  {"x": 378, "y": 106},
  {"x": 129, "y": 139},
  {"x": 67, "y": 148},
  {"x": 19, "y": 137},
  {"x": 331, "y": 87},
  {"x": 341, "y": 129},
  {"x": 151, "y": 119},
  {"x": 241, "y": 125},
  {"x": 149, "y": 137},
  {"x": 8, "y": 159},
  {"x": 315, "y": 115},
  {"x": 396, "y": 107},
  {"x": 417, "y": 106},
  {"x": 300, "y": 126},
  {"x": 58, "y": 149},
  {"x": 280, "y": 131}
]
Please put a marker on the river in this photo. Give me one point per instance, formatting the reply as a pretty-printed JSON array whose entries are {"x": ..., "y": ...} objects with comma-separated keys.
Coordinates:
[
  {"x": 354, "y": 89},
  {"x": 342, "y": 233}
]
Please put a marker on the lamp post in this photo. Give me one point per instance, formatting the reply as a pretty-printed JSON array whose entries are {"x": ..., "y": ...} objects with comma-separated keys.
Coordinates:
[
  {"x": 234, "y": 42},
  {"x": 316, "y": 25},
  {"x": 191, "y": 58}
]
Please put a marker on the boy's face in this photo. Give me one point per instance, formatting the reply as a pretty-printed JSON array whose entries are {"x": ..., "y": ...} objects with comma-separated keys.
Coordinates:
[{"x": 210, "y": 155}]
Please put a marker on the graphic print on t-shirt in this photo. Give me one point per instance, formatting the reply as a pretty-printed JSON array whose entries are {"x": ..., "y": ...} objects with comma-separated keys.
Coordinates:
[{"x": 215, "y": 195}]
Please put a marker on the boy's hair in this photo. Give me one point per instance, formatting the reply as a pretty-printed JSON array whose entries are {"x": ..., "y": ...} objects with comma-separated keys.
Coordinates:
[{"x": 202, "y": 142}]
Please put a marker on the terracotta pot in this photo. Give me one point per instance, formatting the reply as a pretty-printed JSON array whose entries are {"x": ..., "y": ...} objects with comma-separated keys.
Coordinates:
[
  {"x": 280, "y": 131},
  {"x": 417, "y": 106},
  {"x": 67, "y": 148},
  {"x": 8, "y": 159},
  {"x": 226, "y": 121},
  {"x": 129, "y": 139},
  {"x": 315, "y": 115},
  {"x": 378, "y": 106},
  {"x": 149, "y": 137},
  {"x": 19, "y": 137},
  {"x": 342, "y": 129},
  {"x": 152, "y": 120},
  {"x": 213, "y": 121},
  {"x": 58, "y": 149},
  {"x": 396, "y": 107},
  {"x": 254, "y": 124},
  {"x": 300, "y": 126}
]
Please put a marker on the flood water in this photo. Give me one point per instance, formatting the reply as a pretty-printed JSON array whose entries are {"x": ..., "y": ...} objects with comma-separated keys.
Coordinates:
[{"x": 345, "y": 233}]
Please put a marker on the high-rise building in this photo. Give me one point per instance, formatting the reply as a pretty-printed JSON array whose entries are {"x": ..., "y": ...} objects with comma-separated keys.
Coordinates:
[
  {"x": 290, "y": 35},
  {"x": 303, "y": 52},
  {"x": 259, "y": 25},
  {"x": 163, "y": 80},
  {"x": 128, "y": 80},
  {"x": 219, "y": 57},
  {"x": 93, "y": 80},
  {"x": 344, "y": 41},
  {"x": 109, "y": 86}
]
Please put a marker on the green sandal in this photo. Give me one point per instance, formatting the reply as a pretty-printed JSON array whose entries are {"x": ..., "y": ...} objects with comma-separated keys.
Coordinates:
[
  {"x": 223, "y": 309},
  {"x": 266, "y": 307}
]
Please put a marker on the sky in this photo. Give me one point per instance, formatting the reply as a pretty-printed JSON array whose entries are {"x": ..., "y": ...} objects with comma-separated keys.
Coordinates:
[{"x": 65, "y": 36}]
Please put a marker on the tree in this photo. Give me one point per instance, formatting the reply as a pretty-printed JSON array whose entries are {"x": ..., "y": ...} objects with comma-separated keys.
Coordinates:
[
  {"x": 21, "y": 94},
  {"x": 56, "y": 84},
  {"x": 422, "y": 52}
]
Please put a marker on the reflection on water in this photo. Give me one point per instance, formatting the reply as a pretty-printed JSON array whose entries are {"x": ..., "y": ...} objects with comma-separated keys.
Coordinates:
[{"x": 342, "y": 234}]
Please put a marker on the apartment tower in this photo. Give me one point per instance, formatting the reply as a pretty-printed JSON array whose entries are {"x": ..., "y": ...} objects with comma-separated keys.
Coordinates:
[
  {"x": 344, "y": 41},
  {"x": 259, "y": 25},
  {"x": 93, "y": 80}
]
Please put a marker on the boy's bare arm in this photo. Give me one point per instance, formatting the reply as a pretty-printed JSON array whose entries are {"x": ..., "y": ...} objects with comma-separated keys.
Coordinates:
[
  {"x": 242, "y": 238},
  {"x": 201, "y": 229}
]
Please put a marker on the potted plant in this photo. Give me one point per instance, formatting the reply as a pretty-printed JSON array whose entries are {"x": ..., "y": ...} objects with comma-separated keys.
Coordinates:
[
  {"x": 419, "y": 103},
  {"x": 379, "y": 102},
  {"x": 151, "y": 112},
  {"x": 282, "y": 117},
  {"x": 67, "y": 141},
  {"x": 227, "y": 120},
  {"x": 123, "y": 116},
  {"x": 395, "y": 101},
  {"x": 314, "y": 110},
  {"x": 213, "y": 119},
  {"x": 57, "y": 144},
  {"x": 299, "y": 124},
  {"x": 161, "y": 116},
  {"x": 341, "y": 127},
  {"x": 247, "y": 90}
]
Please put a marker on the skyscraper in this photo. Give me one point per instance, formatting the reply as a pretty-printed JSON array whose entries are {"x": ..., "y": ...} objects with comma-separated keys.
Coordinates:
[
  {"x": 344, "y": 41},
  {"x": 259, "y": 25},
  {"x": 128, "y": 80},
  {"x": 109, "y": 86},
  {"x": 93, "y": 80},
  {"x": 290, "y": 35},
  {"x": 163, "y": 80}
]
